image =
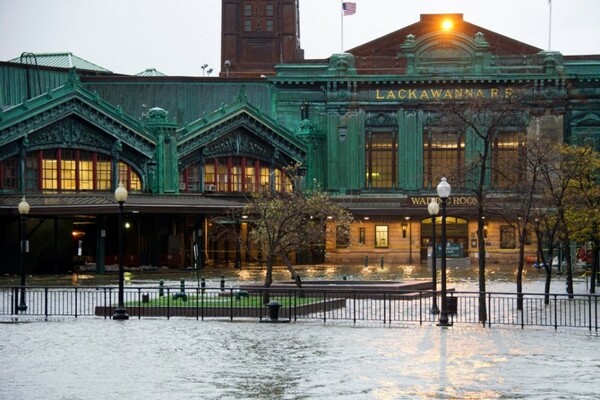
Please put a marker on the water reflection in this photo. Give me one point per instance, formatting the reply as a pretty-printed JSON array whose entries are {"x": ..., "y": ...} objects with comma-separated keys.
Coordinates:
[
  {"x": 499, "y": 277},
  {"x": 183, "y": 359}
]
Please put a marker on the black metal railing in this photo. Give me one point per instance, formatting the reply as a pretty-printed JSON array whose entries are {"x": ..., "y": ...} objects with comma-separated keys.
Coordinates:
[{"x": 387, "y": 307}]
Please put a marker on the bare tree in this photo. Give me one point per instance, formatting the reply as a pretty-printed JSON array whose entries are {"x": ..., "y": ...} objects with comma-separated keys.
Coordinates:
[
  {"x": 283, "y": 223},
  {"x": 483, "y": 121}
]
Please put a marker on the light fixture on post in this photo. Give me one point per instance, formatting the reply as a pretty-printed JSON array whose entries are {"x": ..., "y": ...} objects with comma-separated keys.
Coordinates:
[
  {"x": 23, "y": 211},
  {"x": 443, "y": 190},
  {"x": 121, "y": 198},
  {"x": 433, "y": 208},
  {"x": 238, "y": 243}
]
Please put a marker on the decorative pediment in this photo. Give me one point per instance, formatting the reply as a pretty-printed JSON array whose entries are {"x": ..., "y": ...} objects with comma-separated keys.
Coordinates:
[
  {"x": 70, "y": 116},
  {"x": 442, "y": 52},
  {"x": 240, "y": 129}
]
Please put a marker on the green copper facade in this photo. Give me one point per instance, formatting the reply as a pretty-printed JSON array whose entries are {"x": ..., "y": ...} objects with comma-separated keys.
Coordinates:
[{"x": 364, "y": 124}]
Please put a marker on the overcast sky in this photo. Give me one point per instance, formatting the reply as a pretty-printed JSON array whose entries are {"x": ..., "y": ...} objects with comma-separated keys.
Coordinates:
[{"x": 178, "y": 36}]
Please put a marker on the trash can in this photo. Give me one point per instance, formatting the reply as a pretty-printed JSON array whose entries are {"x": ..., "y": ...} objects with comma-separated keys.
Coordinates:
[
  {"x": 273, "y": 310},
  {"x": 451, "y": 305}
]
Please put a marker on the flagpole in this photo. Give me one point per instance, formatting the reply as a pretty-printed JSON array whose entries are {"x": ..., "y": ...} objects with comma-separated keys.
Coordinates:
[
  {"x": 550, "y": 25},
  {"x": 341, "y": 11}
]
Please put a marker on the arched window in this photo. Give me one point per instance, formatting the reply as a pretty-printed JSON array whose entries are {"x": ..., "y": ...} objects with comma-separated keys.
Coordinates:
[
  {"x": 67, "y": 170},
  {"x": 233, "y": 174}
]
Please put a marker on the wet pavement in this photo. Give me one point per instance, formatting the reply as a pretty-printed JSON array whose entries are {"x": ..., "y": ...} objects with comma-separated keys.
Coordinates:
[{"x": 93, "y": 358}]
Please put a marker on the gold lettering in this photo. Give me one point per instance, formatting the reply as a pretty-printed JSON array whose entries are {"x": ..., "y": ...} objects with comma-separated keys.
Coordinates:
[
  {"x": 436, "y": 93},
  {"x": 443, "y": 94},
  {"x": 418, "y": 201}
]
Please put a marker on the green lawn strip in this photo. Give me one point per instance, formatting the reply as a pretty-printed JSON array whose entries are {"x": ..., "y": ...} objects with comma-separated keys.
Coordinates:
[{"x": 211, "y": 300}]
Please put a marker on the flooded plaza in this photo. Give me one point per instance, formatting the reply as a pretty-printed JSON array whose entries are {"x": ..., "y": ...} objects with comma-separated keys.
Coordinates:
[{"x": 181, "y": 358}]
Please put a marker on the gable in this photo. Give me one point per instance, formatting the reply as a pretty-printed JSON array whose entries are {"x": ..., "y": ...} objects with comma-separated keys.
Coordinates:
[
  {"x": 430, "y": 42},
  {"x": 72, "y": 117},
  {"x": 242, "y": 130}
]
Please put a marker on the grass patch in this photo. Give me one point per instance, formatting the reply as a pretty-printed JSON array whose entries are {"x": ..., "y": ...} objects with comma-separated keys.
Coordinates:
[{"x": 213, "y": 300}]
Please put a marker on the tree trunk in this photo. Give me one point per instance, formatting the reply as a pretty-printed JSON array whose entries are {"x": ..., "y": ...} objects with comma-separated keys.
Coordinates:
[
  {"x": 481, "y": 261},
  {"x": 595, "y": 262},
  {"x": 567, "y": 253},
  {"x": 295, "y": 275},
  {"x": 268, "y": 278},
  {"x": 522, "y": 236}
]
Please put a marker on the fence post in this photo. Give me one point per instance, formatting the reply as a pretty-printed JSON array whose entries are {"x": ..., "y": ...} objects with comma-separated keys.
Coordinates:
[
  {"x": 555, "y": 313},
  {"x": 489, "y": 311},
  {"x": 168, "y": 303},
  {"x": 75, "y": 302},
  {"x": 354, "y": 306},
  {"x": 420, "y": 307},
  {"x": 46, "y": 302},
  {"x": 324, "y": 306},
  {"x": 230, "y": 303},
  {"x": 139, "y": 303}
]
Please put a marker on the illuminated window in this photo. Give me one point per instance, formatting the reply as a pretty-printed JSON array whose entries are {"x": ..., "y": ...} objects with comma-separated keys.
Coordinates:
[
  {"x": 86, "y": 171},
  {"x": 103, "y": 172},
  {"x": 75, "y": 170},
  {"x": 381, "y": 236},
  {"x": 507, "y": 160},
  {"x": 381, "y": 160},
  {"x": 443, "y": 155},
  {"x": 507, "y": 237},
  {"x": 209, "y": 174},
  {"x": 49, "y": 170},
  {"x": 235, "y": 174},
  {"x": 68, "y": 169},
  {"x": 128, "y": 177},
  {"x": 222, "y": 175},
  {"x": 250, "y": 176},
  {"x": 265, "y": 178}
]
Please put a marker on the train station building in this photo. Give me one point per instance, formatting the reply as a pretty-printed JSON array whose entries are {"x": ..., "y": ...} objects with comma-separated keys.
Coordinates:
[{"x": 367, "y": 126}]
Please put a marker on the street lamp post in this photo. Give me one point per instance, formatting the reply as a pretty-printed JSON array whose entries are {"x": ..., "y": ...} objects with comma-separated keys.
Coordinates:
[
  {"x": 433, "y": 208},
  {"x": 443, "y": 190},
  {"x": 23, "y": 211},
  {"x": 121, "y": 198}
]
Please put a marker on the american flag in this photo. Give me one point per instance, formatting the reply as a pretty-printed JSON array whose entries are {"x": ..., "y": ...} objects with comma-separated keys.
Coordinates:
[{"x": 349, "y": 8}]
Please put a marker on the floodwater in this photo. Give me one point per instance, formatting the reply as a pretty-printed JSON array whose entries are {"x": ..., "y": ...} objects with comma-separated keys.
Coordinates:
[
  {"x": 94, "y": 358},
  {"x": 189, "y": 359}
]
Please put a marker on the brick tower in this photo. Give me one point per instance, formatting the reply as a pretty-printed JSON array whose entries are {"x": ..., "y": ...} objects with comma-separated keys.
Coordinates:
[{"x": 257, "y": 34}]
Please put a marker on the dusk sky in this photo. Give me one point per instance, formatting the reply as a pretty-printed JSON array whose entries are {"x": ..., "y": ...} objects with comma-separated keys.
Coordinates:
[{"x": 178, "y": 36}]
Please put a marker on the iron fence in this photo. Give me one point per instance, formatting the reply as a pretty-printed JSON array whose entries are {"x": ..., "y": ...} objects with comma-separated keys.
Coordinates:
[{"x": 528, "y": 309}]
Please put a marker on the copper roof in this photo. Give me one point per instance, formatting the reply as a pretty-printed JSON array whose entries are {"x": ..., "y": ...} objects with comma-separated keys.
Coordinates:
[{"x": 58, "y": 60}]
